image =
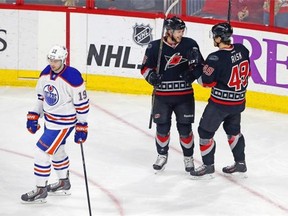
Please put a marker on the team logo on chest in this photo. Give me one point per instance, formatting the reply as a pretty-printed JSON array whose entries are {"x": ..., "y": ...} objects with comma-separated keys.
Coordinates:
[
  {"x": 51, "y": 95},
  {"x": 174, "y": 60}
]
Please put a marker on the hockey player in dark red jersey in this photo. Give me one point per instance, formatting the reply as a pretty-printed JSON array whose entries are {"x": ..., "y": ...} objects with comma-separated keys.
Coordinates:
[
  {"x": 173, "y": 91},
  {"x": 226, "y": 71}
]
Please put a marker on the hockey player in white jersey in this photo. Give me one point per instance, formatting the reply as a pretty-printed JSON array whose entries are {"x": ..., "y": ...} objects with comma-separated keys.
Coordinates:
[{"x": 64, "y": 104}]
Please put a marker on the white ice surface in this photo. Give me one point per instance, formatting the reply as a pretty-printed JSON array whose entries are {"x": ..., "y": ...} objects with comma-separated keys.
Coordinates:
[{"x": 119, "y": 154}]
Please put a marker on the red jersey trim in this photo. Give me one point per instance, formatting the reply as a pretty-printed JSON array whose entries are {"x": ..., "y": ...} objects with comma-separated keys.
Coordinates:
[
  {"x": 173, "y": 93},
  {"x": 229, "y": 103}
]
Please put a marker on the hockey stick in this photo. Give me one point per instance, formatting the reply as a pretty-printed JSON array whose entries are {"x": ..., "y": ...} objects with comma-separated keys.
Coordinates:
[
  {"x": 162, "y": 33},
  {"x": 159, "y": 56},
  {"x": 85, "y": 176},
  {"x": 229, "y": 11}
]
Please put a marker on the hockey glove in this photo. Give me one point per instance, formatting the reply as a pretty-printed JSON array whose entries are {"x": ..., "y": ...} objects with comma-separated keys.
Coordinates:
[
  {"x": 187, "y": 76},
  {"x": 154, "y": 78},
  {"x": 81, "y": 132},
  {"x": 194, "y": 57},
  {"x": 32, "y": 122}
]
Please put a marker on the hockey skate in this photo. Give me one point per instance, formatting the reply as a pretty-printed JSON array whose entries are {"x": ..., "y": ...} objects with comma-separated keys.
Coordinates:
[
  {"x": 160, "y": 163},
  {"x": 203, "y": 172},
  {"x": 60, "y": 188},
  {"x": 189, "y": 164},
  {"x": 238, "y": 168},
  {"x": 37, "y": 195}
]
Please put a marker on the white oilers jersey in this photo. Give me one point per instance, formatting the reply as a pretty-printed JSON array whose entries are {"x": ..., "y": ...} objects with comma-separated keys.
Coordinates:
[{"x": 62, "y": 98}]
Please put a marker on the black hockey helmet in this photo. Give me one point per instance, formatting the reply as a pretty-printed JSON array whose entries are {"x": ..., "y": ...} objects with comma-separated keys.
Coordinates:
[
  {"x": 223, "y": 30},
  {"x": 174, "y": 23}
]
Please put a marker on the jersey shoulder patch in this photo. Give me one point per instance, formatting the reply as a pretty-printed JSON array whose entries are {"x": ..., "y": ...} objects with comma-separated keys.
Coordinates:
[
  {"x": 72, "y": 76},
  {"x": 213, "y": 57}
]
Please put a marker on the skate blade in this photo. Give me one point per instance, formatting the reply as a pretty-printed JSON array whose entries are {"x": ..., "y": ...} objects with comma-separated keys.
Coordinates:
[
  {"x": 204, "y": 177},
  {"x": 37, "y": 201},
  {"x": 60, "y": 193},
  {"x": 189, "y": 170},
  {"x": 239, "y": 175},
  {"x": 159, "y": 171}
]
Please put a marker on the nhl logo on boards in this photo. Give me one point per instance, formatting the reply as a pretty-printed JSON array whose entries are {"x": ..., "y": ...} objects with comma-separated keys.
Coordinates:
[{"x": 142, "y": 34}]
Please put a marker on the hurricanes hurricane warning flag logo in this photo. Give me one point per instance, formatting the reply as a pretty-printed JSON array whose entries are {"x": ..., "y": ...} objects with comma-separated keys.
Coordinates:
[
  {"x": 174, "y": 60},
  {"x": 142, "y": 34}
]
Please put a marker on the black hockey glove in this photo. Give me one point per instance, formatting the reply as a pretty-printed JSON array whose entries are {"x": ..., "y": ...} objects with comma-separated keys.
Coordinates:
[
  {"x": 194, "y": 57},
  {"x": 187, "y": 76},
  {"x": 154, "y": 78}
]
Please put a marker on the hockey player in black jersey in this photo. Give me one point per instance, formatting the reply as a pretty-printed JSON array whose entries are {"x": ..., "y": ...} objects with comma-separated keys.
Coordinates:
[
  {"x": 173, "y": 92},
  {"x": 226, "y": 71}
]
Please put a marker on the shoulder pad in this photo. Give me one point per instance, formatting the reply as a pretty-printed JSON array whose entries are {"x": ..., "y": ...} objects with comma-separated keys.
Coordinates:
[
  {"x": 190, "y": 41},
  {"x": 46, "y": 70},
  {"x": 155, "y": 43},
  {"x": 187, "y": 39},
  {"x": 72, "y": 76},
  {"x": 240, "y": 46}
]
